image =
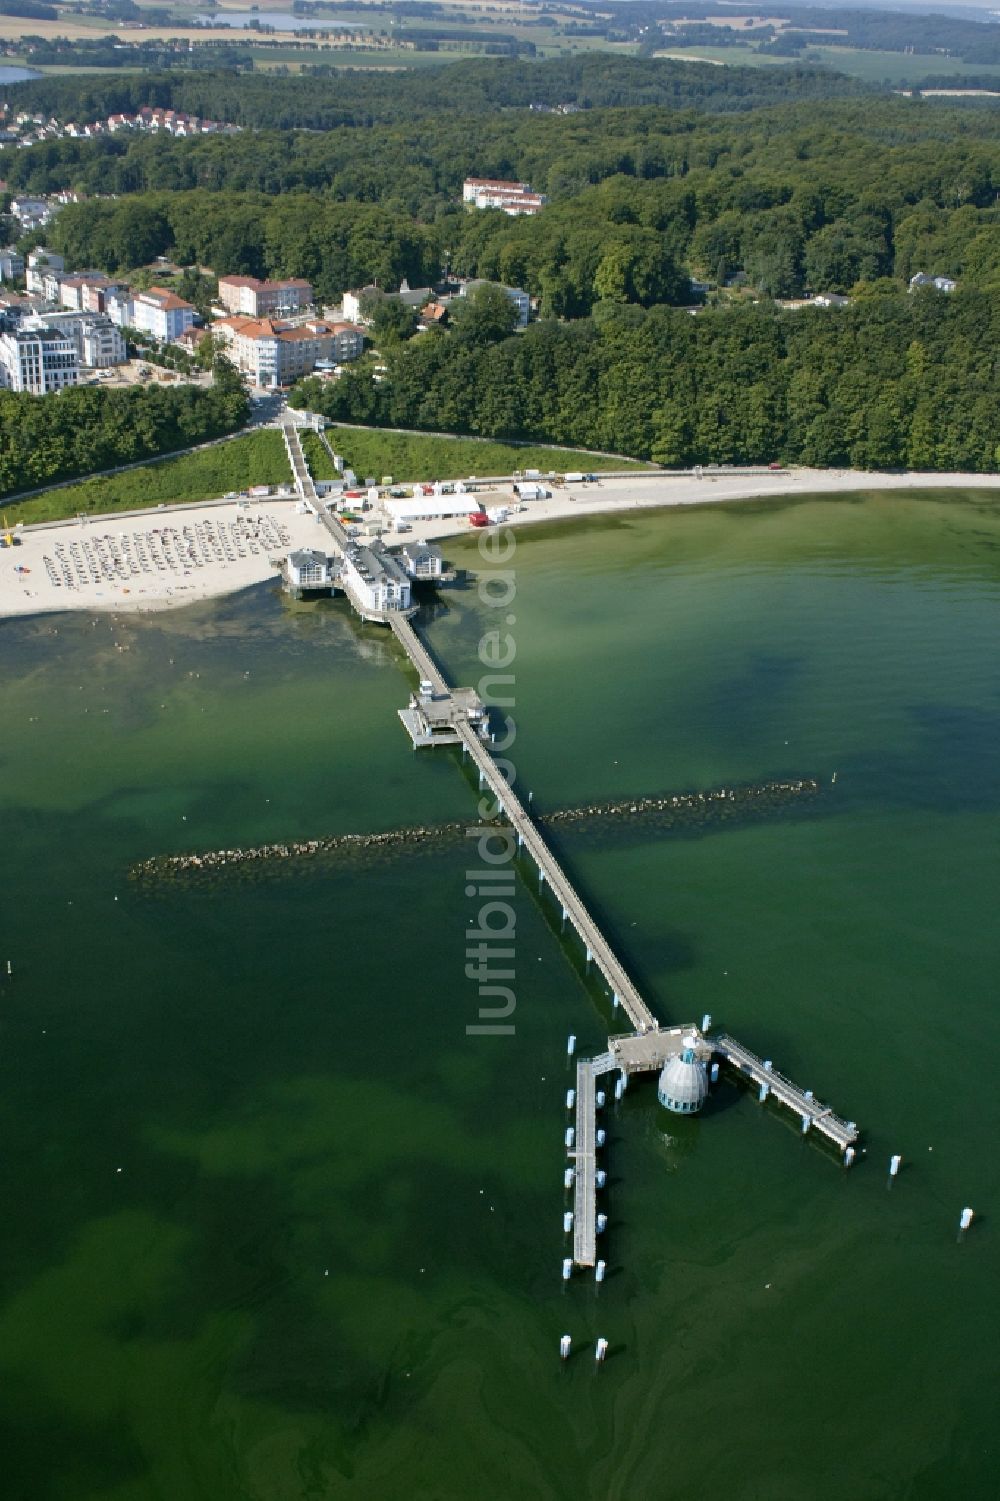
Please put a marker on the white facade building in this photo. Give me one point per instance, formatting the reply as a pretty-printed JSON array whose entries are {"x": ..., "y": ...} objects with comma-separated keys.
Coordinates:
[
  {"x": 519, "y": 298},
  {"x": 39, "y": 360},
  {"x": 435, "y": 506},
  {"x": 513, "y": 197},
  {"x": 259, "y": 299},
  {"x": 98, "y": 343},
  {"x": 40, "y": 262},
  {"x": 376, "y": 580},
  {"x": 422, "y": 560},
  {"x": 11, "y": 265},
  {"x": 161, "y": 314},
  {"x": 273, "y": 353},
  {"x": 352, "y": 303},
  {"x": 118, "y": 306},
  {"x": 309, "y": 569},
  {"x": 102, "y": 344}
]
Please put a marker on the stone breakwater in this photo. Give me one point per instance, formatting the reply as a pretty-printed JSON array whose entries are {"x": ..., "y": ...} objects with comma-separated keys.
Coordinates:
[
  {"x": 682, "y": 812},
  {"x": 694, "y": 809}
]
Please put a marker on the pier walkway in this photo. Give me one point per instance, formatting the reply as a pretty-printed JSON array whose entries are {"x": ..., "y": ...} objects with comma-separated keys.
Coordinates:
[
  {"x": 454, "y": 716},
  {"x": 357, "y": 565},
  {"x": 583, "y": 1155},
  {"x": 307, "y": 490},
  {"x": 812, "y": 1112},
  {"x": 573, "y": 908},
  {"x": 528, "y": 836}
]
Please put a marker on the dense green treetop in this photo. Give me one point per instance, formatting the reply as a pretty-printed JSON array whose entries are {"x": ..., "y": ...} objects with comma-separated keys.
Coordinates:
[
  {"x": 45, "y": 439},
  {"x": 478, "y": 86},
  {"x": 894, "y": 380}
]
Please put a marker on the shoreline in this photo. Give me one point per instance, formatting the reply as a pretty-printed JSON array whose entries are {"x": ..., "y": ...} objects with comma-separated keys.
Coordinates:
[
  {"x": 639, "y": 492},
  {"x": 211, "y": 575}
]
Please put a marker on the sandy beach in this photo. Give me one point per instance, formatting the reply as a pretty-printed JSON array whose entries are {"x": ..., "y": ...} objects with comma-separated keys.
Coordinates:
[
  {"x": 150, "y": 560},
  {"x": 641, "y": 491},
  {"x": 172, "y": 556}
]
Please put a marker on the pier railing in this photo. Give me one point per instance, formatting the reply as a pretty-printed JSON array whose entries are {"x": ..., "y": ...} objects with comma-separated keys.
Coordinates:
[{"x": 812, "y": 1112}]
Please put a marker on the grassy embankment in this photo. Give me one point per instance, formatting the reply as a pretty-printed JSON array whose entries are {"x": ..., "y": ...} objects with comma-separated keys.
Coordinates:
[
  {"x": 428, "y": 456},
  {"x": 321, "y": 466},
  {"x": 256, "y": 459}
]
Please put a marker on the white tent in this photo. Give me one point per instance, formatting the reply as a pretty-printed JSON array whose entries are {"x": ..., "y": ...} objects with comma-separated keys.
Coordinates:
[{"x": 428, "y": 507}]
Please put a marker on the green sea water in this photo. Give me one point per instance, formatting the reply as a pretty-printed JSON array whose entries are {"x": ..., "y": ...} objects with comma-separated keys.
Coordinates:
[{"x": 275, "y": 1227}]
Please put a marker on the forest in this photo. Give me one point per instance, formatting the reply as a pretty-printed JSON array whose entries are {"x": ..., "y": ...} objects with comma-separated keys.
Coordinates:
[
  {"x": 760, "y": 201},
  {"x": 640, "y": 201},
  {"x": 889, "y": 382},
  {"x": 476, "y": 87},
  {"x": 45, "y": 439}
]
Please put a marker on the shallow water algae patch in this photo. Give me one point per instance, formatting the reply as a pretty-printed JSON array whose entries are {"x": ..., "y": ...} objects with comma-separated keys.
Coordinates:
[{"x": 85, "y": 1352}]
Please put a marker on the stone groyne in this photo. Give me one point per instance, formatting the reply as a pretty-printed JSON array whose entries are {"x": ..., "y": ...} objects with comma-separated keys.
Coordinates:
[{"x": 685, "y": 812}]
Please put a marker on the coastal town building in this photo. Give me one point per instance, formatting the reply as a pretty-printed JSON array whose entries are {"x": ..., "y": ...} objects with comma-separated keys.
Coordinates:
[
  {"x": 414, "y": 297},
  {"x": 11, "y": 265},
  {"x": 95, "y": 294},
  {"x": 259, "y": 299},
  {"x": 14, "y": 306},
  {"x": 513, "y": 198},
  {"x": 375, "y": 579},
  {"x": 352, "y": 303},
  {"x": 98, "y": 343},
  {"x": 38, "y": 360},
  {"x": 73, "y": 289},
  {"x": 422, "y": 560},
  {"x": 275, "y": 353},
  {"x": 31, "y": 213},
  {"x": 307, "y": 568},
  {"x": 118, "y": 306},
  {"x": 162, "y": 314},
  {"x": 40, "y": 263},
  {"x": 433, "y": 314},
  {"x": 519, "y": 298},
  {"x": 939, "y": 283}
]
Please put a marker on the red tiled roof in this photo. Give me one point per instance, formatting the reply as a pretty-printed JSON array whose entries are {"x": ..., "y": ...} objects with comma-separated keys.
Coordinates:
[{"x": 168, "y": 301}]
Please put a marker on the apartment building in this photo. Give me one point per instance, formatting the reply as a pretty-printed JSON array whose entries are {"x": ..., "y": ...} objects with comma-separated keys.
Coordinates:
[
  {"x": 98, "y": 343},
  {"x": 513, "y": 197},
  {"x": 260, "y": 299},
  {"x": 518, "y": 297},
  {"x": 38, "y": 360},
  {"x": 274, "y": 353},
  {"x": 74, "y": 291},
  {"x": 40, "y": 263},
  {"x": 11, "y": 265},
  {"x": 162, "y": 314}
]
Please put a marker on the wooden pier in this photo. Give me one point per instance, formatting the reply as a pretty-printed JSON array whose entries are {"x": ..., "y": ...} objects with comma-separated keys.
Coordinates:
[
  {"x": 813, "y": 1114},
  {"x": 649, "y": 1046}
]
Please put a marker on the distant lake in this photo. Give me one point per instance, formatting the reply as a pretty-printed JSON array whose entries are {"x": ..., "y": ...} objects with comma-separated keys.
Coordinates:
[
  {"x": 281, "y": 20},
  {"x": 17, "y": 75}
]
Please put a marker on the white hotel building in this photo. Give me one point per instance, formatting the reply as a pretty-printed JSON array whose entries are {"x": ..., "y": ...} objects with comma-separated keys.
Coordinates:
[
  {"x": 273, "y": 353},
  {"x": 492, "y": 192},
  {"x": 38, "y": 360}
]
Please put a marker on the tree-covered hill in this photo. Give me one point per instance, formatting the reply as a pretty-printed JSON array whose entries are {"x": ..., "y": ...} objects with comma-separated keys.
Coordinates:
[
  {"x": 640, "y": 199},
  {"x": 890, "y": 382},
  {"x": 476, "y": 87}
]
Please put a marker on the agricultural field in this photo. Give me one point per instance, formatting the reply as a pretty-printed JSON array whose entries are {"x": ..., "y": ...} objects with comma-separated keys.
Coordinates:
[
  {"x": 384, "y": 40},
  {"x": 901, "y": 68}
]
